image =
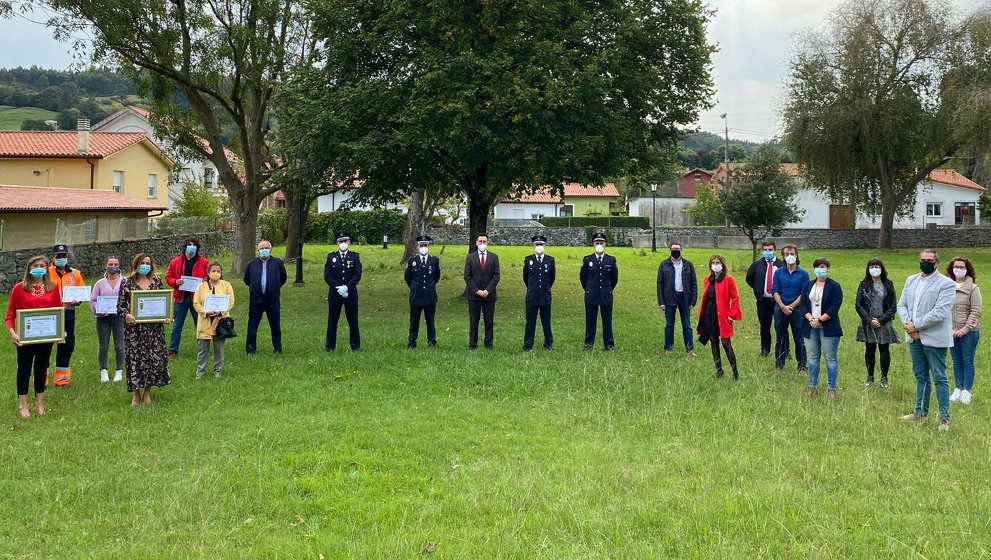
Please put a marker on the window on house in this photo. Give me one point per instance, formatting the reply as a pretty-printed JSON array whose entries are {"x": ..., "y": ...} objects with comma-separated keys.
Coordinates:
[
  {"x": 964, "y": 213},
  {"x": 208, "y": 177},
  {"x": 698, "y": 176},
  {"x": 934, "y": 209},
  {"x": 152, "y": 185},
  {"x": 119, "y": 181}
]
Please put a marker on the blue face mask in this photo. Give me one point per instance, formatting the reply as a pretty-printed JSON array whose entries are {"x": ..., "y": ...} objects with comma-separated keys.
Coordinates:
[
  {"x": 821, "y": 272},
  {"x": 144, "y": 269},
  {"x": 264, "y": 253},
  {"x": 61, "y": 262},
  {"x": 38, "y": 272},
  {"x": 191, "y": 250},
  {"x": 768, "y": 255}
]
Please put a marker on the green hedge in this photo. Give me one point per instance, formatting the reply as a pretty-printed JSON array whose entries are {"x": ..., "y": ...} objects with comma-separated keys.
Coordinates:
[
  {"x": 274, "y": 225},
  {"x": 602, "y": 221},
  {"x": 364, "y": 226}
]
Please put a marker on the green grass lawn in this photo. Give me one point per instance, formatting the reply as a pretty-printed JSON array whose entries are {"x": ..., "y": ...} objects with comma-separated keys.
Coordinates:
[
  {"x": 12, "y": 117},
  {"x": 389, "y": 453}
]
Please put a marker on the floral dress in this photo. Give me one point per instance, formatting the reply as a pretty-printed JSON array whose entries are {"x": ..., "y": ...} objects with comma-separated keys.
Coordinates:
[{"x": 144, "y": 343}]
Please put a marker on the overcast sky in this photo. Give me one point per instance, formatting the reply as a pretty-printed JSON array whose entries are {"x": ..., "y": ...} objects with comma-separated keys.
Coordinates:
[{"x": 755, "y": 39}]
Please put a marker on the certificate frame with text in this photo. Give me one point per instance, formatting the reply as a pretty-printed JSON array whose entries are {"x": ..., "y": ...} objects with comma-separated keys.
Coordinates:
[
  {"x": 151, "y": 298},
  {"x": 25, "y": 316}
]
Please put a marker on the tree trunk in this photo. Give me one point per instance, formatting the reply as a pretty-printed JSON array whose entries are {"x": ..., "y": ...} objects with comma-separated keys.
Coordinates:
[
  {"x": 246, "y": 227},
  {"x": 414, "y": 224},
  {"x": 479, "y": 203},
  {"x": 884, "y": 240},
  {"x": 294, "y": 226}
]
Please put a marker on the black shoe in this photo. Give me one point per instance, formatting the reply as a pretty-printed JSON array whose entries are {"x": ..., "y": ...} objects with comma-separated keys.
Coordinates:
[
  {"x": 884, "y": 382},
  {"x": 411, "y": 345},
  {"x": 329, "y": 349},
  {"x": 719, "y": 374},
  {"x": 588, "y": 347},
  {"x": 278, "y": 351},
  {"x": 736, "y": 375},
  {"x": 489, "y": 347},
  {"x": 355, "y": 348},
  {"x": 472, "y": 348},
  {"x": 610, "y": 347},
  {"x": 527, "y": 348},
  {"x": 870, "y": 381},
  {"x": 547, "y": 347},
  {"x": 432, "y": 344},
  {"x": 765, "y": 354}
]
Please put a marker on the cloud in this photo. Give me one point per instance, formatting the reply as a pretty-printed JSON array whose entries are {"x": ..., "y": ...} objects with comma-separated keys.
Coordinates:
[{"x": 26, "y": 43}]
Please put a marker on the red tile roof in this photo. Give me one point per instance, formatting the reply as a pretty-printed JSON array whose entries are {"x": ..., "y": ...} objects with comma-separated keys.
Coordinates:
[
  {"x": 143, "y": 112},
  {"x": 544, "y": 195},
  {"x": 22, "y": 144},
  {"x": 954, "y": 179},
  {"x": 19, "y": 200},
  {"x": 577, "y": 189}
]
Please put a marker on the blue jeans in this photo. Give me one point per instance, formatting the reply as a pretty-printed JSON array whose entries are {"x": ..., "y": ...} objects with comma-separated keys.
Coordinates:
[
  {"x": 686, "y": 324},
  {"x": 815, "y": 346},
  {"x": 781, "y": 324},
  {"x": 924, "y": 360},
  {"x": 179, "y": 316},
  {"x": 963, "y": 352}
]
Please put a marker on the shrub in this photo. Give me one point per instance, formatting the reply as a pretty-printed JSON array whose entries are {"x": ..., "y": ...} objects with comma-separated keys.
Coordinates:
[
  {"x": 364, "y": 226},
  {"x": 602, "y": 221},
  {"x": 274, "y": 224}
]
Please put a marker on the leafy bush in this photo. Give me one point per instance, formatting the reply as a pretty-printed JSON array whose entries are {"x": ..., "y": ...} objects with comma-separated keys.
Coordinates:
[
  {"x": 365, "y": 226},
  {"x": 603, "y": 221},
  {"x": 274, "y": 224},
  {"x": 196, "y": 200}
]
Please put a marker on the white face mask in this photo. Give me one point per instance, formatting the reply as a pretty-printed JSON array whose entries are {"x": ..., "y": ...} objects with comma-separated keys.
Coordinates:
[
  {"x": 960, "y": 273},
  {"x": 875, "y": 272},
  {"x": 539, "y": 249},
  {"x": 343, "y": 246},
  {"x": 423, "y": 250},
  {"x": 483, "y": 247},
  {"x": 716, "y": 267},
  {"x": 600, "y": 249},
  {"x": 791, "y": 259}
]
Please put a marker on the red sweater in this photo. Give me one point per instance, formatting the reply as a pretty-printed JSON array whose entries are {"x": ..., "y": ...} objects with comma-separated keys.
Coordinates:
[
  {"x": 19, "y": 299},
  {"x": 177, "y": 269},
  {"x": 727, "y": 304}
]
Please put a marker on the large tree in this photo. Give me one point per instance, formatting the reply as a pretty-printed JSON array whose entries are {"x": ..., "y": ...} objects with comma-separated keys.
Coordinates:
[
  {"x": 209, "y": 69},
  {"x": 486, "y": 97},
  {"x": 869, "y": 103}
]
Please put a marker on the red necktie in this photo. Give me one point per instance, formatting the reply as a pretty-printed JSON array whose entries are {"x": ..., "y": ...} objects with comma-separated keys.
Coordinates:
[
  {"x": 483, "y": 261},
  {"x": 770, "y": 274}
]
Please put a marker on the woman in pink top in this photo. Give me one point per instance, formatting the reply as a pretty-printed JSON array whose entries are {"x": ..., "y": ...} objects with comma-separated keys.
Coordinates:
[{"x": 109, "y": 323}]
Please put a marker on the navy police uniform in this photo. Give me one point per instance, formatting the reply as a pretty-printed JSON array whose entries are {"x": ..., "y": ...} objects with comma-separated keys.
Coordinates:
[
  {"x": 422, "y": 275},
  {"x": 343, "y": 268},
  {"x": 538, "y": 277},
  {"x": 599, "y": 276}
]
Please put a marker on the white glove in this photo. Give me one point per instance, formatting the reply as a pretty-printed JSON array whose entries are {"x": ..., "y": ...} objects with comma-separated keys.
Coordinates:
[{"x": 342, "y": 291}]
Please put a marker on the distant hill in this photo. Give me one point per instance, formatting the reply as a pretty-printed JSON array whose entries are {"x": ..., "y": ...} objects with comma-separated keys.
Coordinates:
[
  {"x": 12, "y": 117},
  {"x": 708, "y": 150}
]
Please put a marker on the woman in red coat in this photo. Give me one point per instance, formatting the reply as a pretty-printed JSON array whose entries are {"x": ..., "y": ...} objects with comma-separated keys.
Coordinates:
[{"x": 720, "y": 309}]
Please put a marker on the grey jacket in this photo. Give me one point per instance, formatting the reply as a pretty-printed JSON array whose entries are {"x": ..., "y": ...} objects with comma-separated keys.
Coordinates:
[
  {"x": 967, "y": 307},
  {"x": 934, "y": 320}
]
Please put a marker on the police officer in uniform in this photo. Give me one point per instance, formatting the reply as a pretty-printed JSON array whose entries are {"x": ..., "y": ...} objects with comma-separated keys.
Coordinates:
[
  {"x": 342, "y": 272},
  {"x": 538, "y": 277},
  {"x": 422, "y": 274},
  {"x": 598, "y": 276}
]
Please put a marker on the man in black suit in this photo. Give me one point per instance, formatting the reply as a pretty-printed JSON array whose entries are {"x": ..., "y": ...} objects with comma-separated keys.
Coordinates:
[
  {"x": 538, "y": 277},
  {"x": 265, "y": 277},
  {"x": 422, "y": 274},
  {"x": 481, "y": 279},
  {"x": 342, "y": 272},
  {"x": 599, "y": 276},
  {"x": 760, "y": 278},
  {"x": 677, "y": 291}
]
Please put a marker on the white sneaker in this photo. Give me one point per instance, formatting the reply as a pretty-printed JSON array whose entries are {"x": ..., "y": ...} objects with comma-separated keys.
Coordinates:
[
  {"x": 118, "y": 376},
  {"x": 965, "y": 397},
  {"x": 955, "y": 397},
  {"x": 103, "y": 376}
]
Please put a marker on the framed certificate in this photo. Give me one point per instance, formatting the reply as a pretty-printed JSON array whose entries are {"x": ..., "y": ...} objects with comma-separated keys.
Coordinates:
[
  {"x": 35, "y": 326},
  {"x": 151, "y": 306},
  {"x": 190, "y": 283},
  {"x": 215, "y": 303},
  {"x": 106, "y": 305},
  {"x": 75, "y": 293}
]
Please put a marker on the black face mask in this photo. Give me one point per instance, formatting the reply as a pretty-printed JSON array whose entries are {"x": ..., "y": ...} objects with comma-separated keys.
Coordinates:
[
  {"x": 675, "y": 253},
  {"x": 927, "y": 267}
]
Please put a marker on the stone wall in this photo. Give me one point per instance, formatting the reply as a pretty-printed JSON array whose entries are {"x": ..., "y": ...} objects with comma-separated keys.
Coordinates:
[
  {"x": 92, "y": 258},
  {"x": 560, "y": 236}
]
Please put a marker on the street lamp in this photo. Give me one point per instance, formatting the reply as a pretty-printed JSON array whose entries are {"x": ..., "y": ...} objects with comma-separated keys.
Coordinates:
[
  {"x": 299, "y": 254},
  {"x": 653, "y": 218}
]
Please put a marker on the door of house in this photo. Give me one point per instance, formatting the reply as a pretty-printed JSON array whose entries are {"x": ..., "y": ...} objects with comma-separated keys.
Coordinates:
[{"x": 841, "y": 216}]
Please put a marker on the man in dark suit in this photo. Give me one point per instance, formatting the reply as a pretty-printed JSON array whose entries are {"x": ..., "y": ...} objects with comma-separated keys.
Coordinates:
[
  {"x": 599, "y": 276},
  {"x": 422, "y": 274},
  {"x": 264, "y": 277},
  {"x": 342, "y": 272},
  {"x": 538, "y": 277},
  {"x": 481, "y": 279},
  {"x": 677, "y": 291},
  {"x": 760, "y": 278}
]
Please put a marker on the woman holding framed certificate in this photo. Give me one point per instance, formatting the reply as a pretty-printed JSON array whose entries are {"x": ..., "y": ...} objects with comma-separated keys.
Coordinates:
[
  {"x": 213, "y": 300},
  {"x": 35, "y": 319},
  {"x": 146, "y": 308},
  {"x": 103, "y": 303}
]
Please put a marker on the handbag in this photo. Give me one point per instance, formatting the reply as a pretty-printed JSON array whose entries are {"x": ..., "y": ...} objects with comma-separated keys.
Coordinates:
[{"x": 225, "y": 328}]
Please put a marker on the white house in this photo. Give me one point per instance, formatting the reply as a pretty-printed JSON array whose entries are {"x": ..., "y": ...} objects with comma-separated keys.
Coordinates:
[
  {"x": 342, "y": 199},
  {"x": 530, "y": 206}
]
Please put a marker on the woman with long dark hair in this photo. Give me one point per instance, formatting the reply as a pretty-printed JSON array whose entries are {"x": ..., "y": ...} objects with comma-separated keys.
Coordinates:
[
  {"x": 876, "y": 306},
  {"x": 720, "y": 309}
]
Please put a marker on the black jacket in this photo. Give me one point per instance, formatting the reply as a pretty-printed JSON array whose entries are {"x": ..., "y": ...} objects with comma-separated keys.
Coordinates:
[
  {"x": 342, "y": 271},
  {"x": 478, "y": 279},
  {"x": 422, "y": 279},
  {"x": 757, "y": 273},
  {"x": 832, "y": 299},
  {"x": 538, "y": 278},
  {"x": 865, "y": 293},
  {"x": 275, "y": 279},
  {"x": 665, "y": 283},
  {"x": 598, "y": 280}
]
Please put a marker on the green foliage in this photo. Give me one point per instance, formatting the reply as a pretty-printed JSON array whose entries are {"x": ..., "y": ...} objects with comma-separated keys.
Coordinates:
[
  {"x": 70, "y": 94},
  {"x": 13, "y": 118},
  {"x": 607, "y": 221},
  {"x": 365, "y": 226},
  {"x": 274, "y": 224},
  {"x": 708, "y": 210},
  {"x": 196, "y": 200},
  {"x": 984, "y": 205}
]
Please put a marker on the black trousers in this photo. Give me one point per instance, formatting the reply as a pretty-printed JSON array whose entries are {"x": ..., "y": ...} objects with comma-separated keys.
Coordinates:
[
  {"x": 428, "y": 312},
  {"x": 271, "y": 309},
  {"x": 350, "y": 305},
  {"x": 869, "y": 358},
  {"x": 591, "y": 312},
  {"x": 63, "y": 352},
  {"x": 531, "y": 325},
  {"x": 33, "y": 358},
  {"x": 765, "y": 316},
  {"x": 485, "y": 308}
]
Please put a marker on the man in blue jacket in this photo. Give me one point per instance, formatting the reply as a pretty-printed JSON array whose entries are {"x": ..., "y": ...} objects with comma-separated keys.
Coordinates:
[
  {"x": 677, "y": 291},
  {"x": 265, "y": 277}
]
